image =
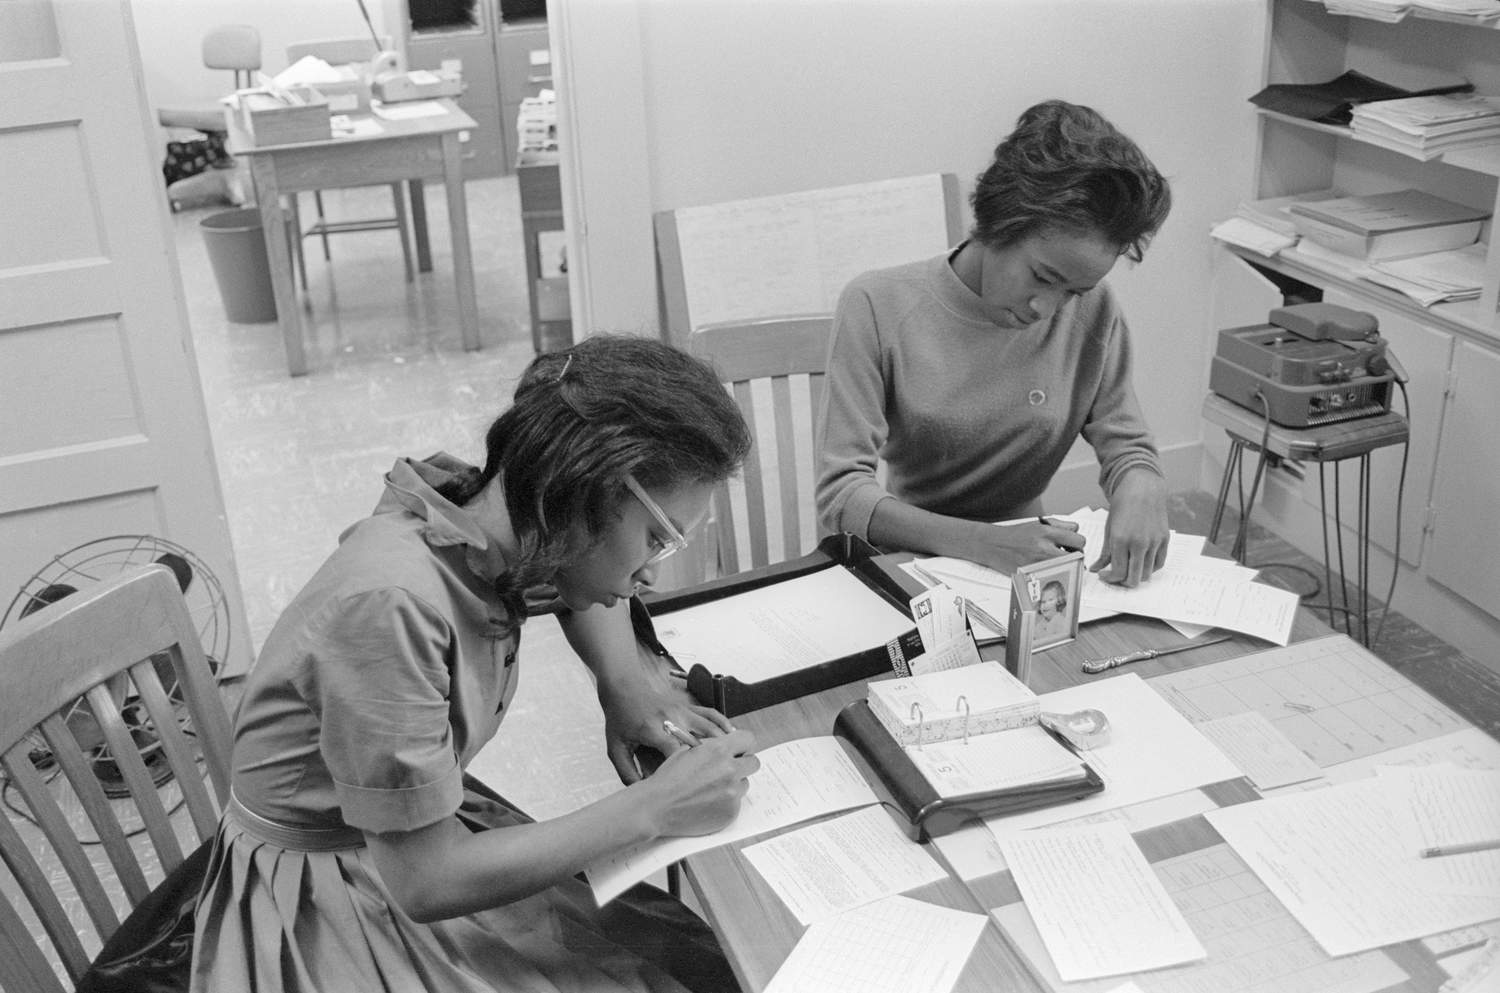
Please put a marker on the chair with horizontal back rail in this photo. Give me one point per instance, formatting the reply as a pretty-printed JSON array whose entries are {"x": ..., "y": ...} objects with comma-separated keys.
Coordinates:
[
  {"x": 113, "y": 673},
  {"x": 338, "y": 52},
  {"x": 770, "y": 365}
]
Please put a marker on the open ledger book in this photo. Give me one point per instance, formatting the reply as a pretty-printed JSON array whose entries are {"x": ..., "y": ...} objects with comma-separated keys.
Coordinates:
[{"x": 962, "y": 744}]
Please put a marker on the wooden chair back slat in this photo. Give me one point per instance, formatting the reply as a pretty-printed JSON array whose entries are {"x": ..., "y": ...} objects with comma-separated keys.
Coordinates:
[
  {"x": 771, "y": 351},
  {"x": 109, "y": 646}
]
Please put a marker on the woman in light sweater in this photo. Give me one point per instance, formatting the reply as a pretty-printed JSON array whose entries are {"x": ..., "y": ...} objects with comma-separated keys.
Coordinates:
[{"x": 971, "y": 374}]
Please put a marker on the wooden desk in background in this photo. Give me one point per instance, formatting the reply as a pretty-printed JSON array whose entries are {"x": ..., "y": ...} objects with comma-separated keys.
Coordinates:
[
  {"x": 757, "y": 930},
  {"x": 411, "y": 149}
]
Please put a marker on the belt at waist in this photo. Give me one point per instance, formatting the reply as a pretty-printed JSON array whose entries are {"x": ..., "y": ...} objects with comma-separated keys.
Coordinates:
[{"x": 291, "y": 836}]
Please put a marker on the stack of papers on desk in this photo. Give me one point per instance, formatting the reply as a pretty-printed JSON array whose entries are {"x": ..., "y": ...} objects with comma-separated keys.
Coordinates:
[{"x": 1192, "y": 593}]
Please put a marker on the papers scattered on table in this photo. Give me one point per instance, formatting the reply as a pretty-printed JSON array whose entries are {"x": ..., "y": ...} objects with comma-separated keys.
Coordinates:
[
  {"x": 1342, "y": 862},
  {"x": 894, "y": 945},
  {"x": 1098, "y": 906},
  {"x": 1153, "y": 752},
  {"x": 1262, "y": 752},
  {"x": 836, "y": 865},
  {"x": 784, "y": 627},
  {"x": 797, "y": 781}
]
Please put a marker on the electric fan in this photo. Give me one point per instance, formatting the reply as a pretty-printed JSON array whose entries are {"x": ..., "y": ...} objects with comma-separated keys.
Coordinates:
[{"x": 102, "y": 559}]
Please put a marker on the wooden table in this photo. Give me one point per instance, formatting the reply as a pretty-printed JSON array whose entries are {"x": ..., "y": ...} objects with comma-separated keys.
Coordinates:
[
  {"x": 757, "y": 930},
  {"x": 410, "y": 150}
]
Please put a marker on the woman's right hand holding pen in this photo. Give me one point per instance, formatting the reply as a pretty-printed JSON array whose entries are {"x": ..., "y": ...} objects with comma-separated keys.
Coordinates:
[{"x": 698, "y": 789}]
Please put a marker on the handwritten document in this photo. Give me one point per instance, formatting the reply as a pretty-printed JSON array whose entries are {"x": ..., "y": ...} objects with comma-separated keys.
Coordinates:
[
  {"x": 894, "y": 945},
  {"x": 1097, "y": 905},
  {"x": 836, "y": 865},
  {"x": 1447, "y": 808},
  {"x": 1261, "y": 751},
  {"x": 1337, "y": 860},
  {"x": 797, "y": 781},
  {"x": 784, "y": 627}
]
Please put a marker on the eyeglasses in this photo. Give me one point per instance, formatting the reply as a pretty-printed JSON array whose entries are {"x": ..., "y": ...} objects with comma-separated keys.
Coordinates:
[{"x": 675, "y": 541}]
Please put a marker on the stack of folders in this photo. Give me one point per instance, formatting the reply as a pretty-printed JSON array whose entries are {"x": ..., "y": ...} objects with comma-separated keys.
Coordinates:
[
  {"x": 1427, "y": 126},
  {"x": 940, "y": 770}
]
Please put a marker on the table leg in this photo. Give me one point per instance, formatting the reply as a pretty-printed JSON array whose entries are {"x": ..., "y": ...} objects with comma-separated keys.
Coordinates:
[
  {"x": 1231, "y": 462},
  {"x": 419, "y": 225},
  {"x": 273, "y": 227},
  {"x": 458, "y": 225}
]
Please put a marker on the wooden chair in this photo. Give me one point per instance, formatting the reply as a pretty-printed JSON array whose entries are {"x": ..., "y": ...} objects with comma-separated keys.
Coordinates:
[
  {"x": 346, "y": 51},
  {"x": 776, "y": 486},
  {"x": 90, "y": 668}
]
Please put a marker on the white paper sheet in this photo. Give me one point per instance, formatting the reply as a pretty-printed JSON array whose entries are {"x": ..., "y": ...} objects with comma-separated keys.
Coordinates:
[
  {"x": 1096, "y": 903},
  {"x": 1153, "y": 752},
  {"x": 783, "y": 627},
  {"x": 1262, "y": 752},
  {"x": 894, "y": 945},
  {"x": 973, "y": 850},
  {"x": 797, "y": 781},
  {"x": 1332, "y": 857},
  {"x": 836, "y": 865},
  {"x": 1254, "y": 945}
]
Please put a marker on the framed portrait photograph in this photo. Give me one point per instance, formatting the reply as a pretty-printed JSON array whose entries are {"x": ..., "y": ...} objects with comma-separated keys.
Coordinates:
[{"x": 1051, "y": 590}]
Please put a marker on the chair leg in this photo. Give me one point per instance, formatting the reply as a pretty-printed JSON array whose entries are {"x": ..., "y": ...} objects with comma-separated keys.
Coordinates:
[
  {"x": 400, "y": 202},
  {"x": 318, "y": 199}
]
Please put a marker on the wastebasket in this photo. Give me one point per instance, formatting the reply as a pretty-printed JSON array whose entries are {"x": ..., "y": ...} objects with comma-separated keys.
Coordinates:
[{"x": 237, "y": 251}]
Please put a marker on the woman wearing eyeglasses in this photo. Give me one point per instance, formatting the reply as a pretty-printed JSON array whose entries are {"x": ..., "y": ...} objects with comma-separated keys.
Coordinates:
[{"x": 353, "y": 857}]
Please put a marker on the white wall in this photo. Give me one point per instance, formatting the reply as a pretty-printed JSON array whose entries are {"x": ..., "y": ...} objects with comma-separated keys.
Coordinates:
[{"x": 742, "y": 98}]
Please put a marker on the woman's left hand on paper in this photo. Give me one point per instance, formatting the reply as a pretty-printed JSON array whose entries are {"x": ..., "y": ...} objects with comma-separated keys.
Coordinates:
[{"x": 1136, "y": 533}]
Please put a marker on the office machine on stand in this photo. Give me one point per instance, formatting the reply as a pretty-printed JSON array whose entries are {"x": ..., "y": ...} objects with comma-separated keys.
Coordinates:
[{"x": 1313, "y": 384}]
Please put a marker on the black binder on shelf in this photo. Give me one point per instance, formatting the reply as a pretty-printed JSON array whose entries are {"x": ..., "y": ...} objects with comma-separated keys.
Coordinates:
[
  {"x": 729, "y": 695},
  {"x": 927, "y": 814}
]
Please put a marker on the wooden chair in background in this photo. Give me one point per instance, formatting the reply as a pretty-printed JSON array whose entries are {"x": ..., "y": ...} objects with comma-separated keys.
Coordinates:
[
  {"x": 774, "y": 495},
  {"x": 77, "y": 678},
  {"x": 337, "y": 52}
]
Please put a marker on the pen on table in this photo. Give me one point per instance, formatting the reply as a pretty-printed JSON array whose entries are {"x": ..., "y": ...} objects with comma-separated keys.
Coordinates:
[
  {"x": 682, "y": 736},
  {"x": 1094, "y": 666},
  {"x": 1439, "y": 851}
]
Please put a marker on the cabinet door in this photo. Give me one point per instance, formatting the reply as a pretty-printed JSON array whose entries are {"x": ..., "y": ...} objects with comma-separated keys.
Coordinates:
[
  {"x": 1424, "y": 352},
  {"x": 1465, "y": 544}
]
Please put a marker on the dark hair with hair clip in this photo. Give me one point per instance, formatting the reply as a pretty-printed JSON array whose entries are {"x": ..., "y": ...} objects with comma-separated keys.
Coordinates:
[
  {"x": 584, "y": 418},
  {"x": 1066, "y": 167}
]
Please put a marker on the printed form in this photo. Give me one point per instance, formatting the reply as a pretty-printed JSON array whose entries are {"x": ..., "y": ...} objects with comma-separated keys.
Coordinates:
[
  {"x": 1096, "y": 903},
  {"x": 836, "y": 865},
  {"x": 894, "y": 945}
]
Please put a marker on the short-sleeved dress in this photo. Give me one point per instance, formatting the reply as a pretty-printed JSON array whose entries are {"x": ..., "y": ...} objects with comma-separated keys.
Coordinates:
[{"x": 380, "y": 681}]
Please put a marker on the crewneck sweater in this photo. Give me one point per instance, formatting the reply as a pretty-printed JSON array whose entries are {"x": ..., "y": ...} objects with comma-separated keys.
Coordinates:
[{"x": 971, "y": 418}]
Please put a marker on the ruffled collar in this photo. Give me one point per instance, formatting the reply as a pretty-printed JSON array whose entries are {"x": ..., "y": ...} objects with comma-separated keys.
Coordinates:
[{"x": 412, "y": 485}]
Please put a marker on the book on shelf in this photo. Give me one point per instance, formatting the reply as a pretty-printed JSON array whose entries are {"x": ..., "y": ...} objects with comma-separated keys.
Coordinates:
[
  {"x": 1388, "y": 225},
  {"x": 1426, "y": 127},
  {"x": 952, "y": 703}
]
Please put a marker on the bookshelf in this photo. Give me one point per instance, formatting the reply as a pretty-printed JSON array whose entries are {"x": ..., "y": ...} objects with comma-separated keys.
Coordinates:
[{"x": 1452, "y": 351}]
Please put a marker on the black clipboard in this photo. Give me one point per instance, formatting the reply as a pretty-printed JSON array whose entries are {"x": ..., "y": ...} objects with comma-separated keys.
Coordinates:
[
  {"x": 927, "y": 814},
  {"x": 729, "y": 695}
]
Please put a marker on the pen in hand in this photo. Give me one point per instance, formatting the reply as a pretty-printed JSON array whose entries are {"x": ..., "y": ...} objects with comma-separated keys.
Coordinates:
[{"x": 682, "y": 736}]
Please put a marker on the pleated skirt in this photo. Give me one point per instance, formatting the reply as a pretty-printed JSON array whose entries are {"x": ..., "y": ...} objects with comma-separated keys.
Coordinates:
[{"x": 283, "y": 914}]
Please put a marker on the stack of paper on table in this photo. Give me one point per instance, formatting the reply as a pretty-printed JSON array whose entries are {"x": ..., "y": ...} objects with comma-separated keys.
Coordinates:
[
  {"x": 1192, "y": 593},
  {"x": 952, "y": 703}
]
